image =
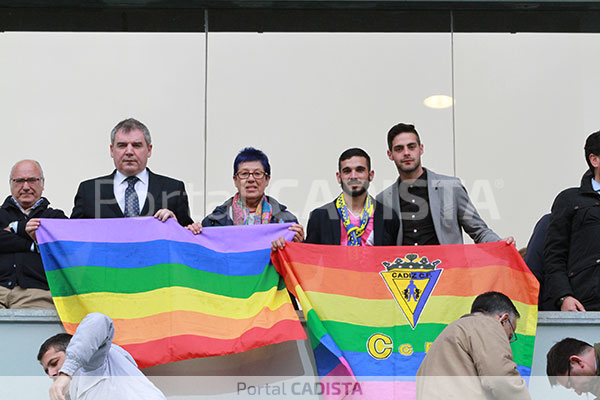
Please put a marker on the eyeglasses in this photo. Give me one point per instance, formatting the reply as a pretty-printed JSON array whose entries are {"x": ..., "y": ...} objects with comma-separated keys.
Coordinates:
[
  {"x": 21, "y": 181},
  {"x": 514, "y": 335},
  {"x": 569, "y": 383},
  {"x": 258, "y": 175}
]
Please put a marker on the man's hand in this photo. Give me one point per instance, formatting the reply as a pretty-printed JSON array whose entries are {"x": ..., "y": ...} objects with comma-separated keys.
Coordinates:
[
  {"x": 196, "y": 228},
  {"x": 60, "y": 387},
  {"x": 32, "y": 226},
  {"x": 279, "y": 243},
  {"x": 299, "y": 230},
  {"x": 510, "y": 240},
  {"x": 570, "y": 303},
  {"x": 164, "y": 214},
  {"x": 7, "y": 229}
]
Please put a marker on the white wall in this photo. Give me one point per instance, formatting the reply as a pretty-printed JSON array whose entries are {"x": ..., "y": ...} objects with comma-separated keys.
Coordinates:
[
  {"x": 61, "y": 94},
  {"x": 524, "y": 105},
  {"x": 305, "y": 98}
]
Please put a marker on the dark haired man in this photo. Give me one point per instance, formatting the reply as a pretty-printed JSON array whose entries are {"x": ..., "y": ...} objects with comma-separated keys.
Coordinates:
[
  {"x": 572, "y": 247},
  {"x": 573, "y": 364},
  {"x": 472, "y": 358},
  {"x": 89, "y": 366},
  {"x": 354, "y": 218},
  {"x": 132, "y": 190},
  {"x": 432, "y": 207}
]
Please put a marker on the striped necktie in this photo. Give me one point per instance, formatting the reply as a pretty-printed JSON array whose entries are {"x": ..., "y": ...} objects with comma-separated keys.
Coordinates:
[{"x": 132, "y": 202}]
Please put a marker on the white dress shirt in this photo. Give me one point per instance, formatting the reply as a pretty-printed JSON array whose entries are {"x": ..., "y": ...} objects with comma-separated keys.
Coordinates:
[
  {"x": 595, "y": 185},
  {"x": 141, "y": 188}
]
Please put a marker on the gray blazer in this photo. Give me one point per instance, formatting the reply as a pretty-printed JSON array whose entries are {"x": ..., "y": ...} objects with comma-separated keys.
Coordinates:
[{"x": 450, "y": 208}]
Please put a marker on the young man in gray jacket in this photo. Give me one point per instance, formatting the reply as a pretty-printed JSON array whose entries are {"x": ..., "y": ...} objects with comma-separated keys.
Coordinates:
[{"x": 433, "y": 208}]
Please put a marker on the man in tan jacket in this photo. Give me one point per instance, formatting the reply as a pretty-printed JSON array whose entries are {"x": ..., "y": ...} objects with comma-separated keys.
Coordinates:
[{"x": 472, "y": 358}]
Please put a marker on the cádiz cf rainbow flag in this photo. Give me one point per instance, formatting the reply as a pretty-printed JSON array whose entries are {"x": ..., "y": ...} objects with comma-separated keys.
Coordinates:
[
  {"x": 172, "y": 295},
  {"x": 373, "y": 312}
]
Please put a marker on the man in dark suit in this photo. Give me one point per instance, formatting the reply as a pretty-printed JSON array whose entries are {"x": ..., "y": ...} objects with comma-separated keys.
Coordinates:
[
  {"x": 132, "y": 189},
  {"x": 354, "y": 218}
]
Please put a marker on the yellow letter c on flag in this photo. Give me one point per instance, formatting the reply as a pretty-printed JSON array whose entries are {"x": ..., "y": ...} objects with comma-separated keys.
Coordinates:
[{"x": 379, "y": 346}]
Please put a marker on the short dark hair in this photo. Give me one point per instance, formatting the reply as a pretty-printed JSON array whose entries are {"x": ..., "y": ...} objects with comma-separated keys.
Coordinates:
[
  {"x": 401, "y": 128},
  {"x": 492, "y": 303},
  {"x": 59, "y": 342},
  {"x": 251, "y": 154},
  {"x": 592, "y": 146},
  {"x": 557, "y": 359},
  {"x": 129, "y": 124},
  {"x": 354, "y": 152}
]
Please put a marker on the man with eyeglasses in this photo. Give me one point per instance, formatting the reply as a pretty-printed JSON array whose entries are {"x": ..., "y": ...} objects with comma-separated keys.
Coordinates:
[
  {"x": 132, "y": 190},
  {"x": 472, "y": 357},
  {"x": 573, "y": 364},
  {"x": 23, "y": 281},
  {"x": 354, "y": 218}
]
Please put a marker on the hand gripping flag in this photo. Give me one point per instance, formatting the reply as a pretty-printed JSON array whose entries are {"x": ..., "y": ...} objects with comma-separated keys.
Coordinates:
[
  {"x": 372, "y": 312},
  {"x": 172, "y": 295}
]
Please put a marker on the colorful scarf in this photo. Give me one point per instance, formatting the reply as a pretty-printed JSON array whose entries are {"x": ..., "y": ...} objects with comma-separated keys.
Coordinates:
[
  {"x": 241, "y": 212},
  {"x": 354, "y": 232}
]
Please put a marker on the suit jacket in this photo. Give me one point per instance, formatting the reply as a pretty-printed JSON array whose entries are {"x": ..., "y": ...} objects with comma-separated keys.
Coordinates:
[
  {"x": 450, "y": 207},
  {"x": 324, "y": 226},
  {"x": 95, "y": 198}
]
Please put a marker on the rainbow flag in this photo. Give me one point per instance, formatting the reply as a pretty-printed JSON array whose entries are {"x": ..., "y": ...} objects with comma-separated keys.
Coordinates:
[
  {"x": 172, "y": 295},
  {"x": 372, "y": 312}
]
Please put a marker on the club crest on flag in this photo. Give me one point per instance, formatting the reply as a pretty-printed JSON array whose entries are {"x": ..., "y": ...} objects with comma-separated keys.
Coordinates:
[{"x": 411, "y": 280}]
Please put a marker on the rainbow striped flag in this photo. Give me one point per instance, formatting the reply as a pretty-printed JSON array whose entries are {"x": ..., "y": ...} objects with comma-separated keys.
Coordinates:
[
  {"x": 172, "y": 295},
  {"x": 372, "y": 312}
]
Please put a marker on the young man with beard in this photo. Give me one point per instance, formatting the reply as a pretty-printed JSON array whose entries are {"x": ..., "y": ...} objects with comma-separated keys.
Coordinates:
[
  {"x": 354, "y": 218},
  {"x": 433, "y": 208}
]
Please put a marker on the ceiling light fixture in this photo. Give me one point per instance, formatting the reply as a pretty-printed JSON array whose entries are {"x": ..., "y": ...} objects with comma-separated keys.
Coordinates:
[{"x": 439, "y": 101}]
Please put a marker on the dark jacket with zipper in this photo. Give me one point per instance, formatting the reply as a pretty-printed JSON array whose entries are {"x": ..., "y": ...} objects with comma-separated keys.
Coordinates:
[
  {"x": 19, "y": 265},
  {"x": 572, "y": 247}
]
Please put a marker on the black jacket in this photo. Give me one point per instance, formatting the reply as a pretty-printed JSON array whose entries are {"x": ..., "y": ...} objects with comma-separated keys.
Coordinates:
[
  {"x": 19, "y": 266},
  {"x": 572, "y": 248},
  {"x": 95, "y": 198},
  {"x": 535, "y": 261},
  {"x": 324, "y": 226}
]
